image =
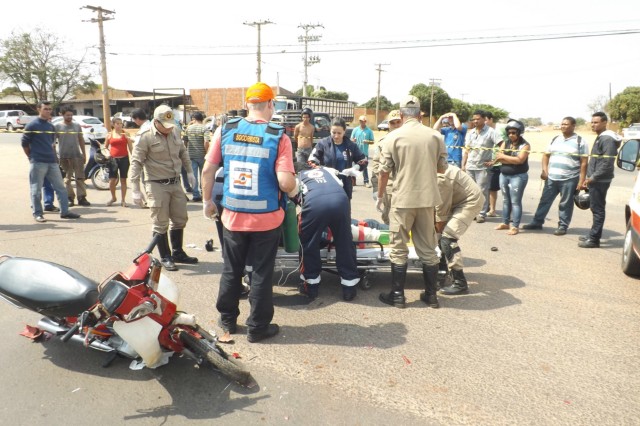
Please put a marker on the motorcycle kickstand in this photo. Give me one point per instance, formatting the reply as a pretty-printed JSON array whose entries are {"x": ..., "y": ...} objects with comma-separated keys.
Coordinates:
[{"x": 111, "y": 356}]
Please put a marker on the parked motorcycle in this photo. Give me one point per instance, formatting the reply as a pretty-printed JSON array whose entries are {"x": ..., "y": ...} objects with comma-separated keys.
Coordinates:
[
  {"x": 132, "y": 313},
  {"x": 99, "y": 165}
]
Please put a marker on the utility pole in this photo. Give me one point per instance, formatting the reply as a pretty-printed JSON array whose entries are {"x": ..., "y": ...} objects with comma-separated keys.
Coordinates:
[
  {"x": 308, "y": 61},
  {"x": 103, "y": 15},
  {"x": 433, "y": 82},
  {"x": 259, "y": 25},
  {"x": 379, "y": 69},
  {"x": 462, "y": 96}
]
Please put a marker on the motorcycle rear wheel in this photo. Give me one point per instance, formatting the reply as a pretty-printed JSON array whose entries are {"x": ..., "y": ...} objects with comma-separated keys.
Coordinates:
[
  {"x": 100, "y": 179},
  {"x": 217, "y": 357}
]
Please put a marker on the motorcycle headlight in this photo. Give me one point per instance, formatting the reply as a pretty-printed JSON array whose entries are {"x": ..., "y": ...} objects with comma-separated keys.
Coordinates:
[{"x": 112, "y": 294}]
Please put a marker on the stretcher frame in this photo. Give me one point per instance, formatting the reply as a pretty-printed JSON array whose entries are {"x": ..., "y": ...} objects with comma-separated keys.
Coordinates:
[{"x": 371, "y": 256}]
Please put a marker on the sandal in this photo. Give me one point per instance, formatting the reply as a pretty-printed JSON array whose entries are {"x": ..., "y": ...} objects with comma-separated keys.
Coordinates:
[
  {"x": 124, "y": 204},
  {"x": 513, "y": 231},
  {"x": 110, "y": 203},
  {"x": 502, "y": 226}
]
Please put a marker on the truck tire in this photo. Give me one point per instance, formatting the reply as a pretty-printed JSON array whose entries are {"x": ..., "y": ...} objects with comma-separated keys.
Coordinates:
[{"x": 630, "y": 261}]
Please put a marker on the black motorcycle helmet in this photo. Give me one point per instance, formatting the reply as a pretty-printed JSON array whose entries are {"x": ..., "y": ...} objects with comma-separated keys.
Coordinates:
[
  {"x": 515, "y": 125},
  {"x": 307, "y": 111},
  {"x": 582, "y": 199}
]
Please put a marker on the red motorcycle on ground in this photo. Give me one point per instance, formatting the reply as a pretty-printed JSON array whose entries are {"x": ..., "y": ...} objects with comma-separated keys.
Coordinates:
[{"x": 132, "y": 313}]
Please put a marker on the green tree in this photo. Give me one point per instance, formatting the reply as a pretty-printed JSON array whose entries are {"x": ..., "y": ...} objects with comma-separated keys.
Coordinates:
[
  {"x": 625, "y": 106},
  {"x": 327, "y": 94},
  {"x": 385, "y": 104},
  {"x": 441, "y": 100},
  {"x": 36, "y": 65},
  {"x": 498, "y": 113},
  {"x": 580, "y": 121},
  {"x": 8, "y": 91},
  {"x": 531, "y": 121},
  {"x": 462, "y": 109}
]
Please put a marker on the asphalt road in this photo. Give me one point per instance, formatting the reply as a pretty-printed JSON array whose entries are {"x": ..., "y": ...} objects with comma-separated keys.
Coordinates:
[{"x": 548, "y": 334}]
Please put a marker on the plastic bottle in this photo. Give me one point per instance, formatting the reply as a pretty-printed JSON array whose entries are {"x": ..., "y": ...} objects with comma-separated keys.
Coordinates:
[{"x": 290, "y": 229}]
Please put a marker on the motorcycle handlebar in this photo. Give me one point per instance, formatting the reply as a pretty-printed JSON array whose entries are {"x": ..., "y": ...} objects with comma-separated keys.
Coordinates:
[{"x": 73, "y": 330}]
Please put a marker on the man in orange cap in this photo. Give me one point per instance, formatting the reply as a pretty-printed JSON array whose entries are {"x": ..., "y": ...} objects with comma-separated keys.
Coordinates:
[{"x": 258, "y": 173}]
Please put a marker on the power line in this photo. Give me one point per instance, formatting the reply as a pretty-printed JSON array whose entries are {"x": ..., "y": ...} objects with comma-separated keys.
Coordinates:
[{"x": 404, "y": 44}]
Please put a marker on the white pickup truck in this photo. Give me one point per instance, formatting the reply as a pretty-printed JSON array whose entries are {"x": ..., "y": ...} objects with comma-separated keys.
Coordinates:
[{"x": 14, "y": 119}]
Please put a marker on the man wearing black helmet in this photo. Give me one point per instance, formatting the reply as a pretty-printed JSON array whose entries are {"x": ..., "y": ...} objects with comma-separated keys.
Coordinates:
[
  {"x": 303, "y": 135},
  {"x": 599, "y": 176}
]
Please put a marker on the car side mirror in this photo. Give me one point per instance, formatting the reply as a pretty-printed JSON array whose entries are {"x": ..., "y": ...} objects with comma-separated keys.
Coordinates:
[{"x": 628, "y": 156}]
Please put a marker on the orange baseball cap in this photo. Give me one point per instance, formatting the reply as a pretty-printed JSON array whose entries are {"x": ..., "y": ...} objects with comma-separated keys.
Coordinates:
[{"x": 259, "y": 92}]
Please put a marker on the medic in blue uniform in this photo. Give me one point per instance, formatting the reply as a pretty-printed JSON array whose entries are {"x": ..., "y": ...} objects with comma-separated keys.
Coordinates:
[{"x": 326, "y": 204}]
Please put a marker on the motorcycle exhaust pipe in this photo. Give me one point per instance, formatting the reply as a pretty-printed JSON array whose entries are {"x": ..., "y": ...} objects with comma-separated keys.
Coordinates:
[{"x": 54, "y": 328}]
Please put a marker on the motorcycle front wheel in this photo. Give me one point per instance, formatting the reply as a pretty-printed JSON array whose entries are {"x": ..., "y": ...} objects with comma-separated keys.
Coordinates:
[
  {"x": 100, "y": 178},
  {"x": 216, "y": 356}
]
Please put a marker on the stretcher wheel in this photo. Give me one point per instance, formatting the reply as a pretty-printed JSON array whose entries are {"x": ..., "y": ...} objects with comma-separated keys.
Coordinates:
[{"x": 365, "y": 283}]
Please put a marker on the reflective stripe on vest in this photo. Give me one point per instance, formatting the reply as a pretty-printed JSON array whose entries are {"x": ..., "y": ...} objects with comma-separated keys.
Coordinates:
[{"x": 249, "y": 152}]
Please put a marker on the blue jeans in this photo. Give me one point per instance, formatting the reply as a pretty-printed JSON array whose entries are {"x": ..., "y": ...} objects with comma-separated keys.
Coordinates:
[
  {"x": 47, "y": 189},
  {"x": 483, "y": 179},
  {"x": 598, "y": 200},
  {"x": 566, "y": 189},
  {"x": 37, "y": 173},
  {"x": 512, "y": 187},
  {"x": 197, "y": 166}
]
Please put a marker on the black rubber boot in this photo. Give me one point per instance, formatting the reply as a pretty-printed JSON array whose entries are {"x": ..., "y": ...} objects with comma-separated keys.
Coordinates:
[
  {"x": 430, "y": 277},
  {"x": 165, "y": 253},
  {"x": 396, "y": 296},
  {"x": 178, "y": 254},
  {"x": 459, "y": 285}
]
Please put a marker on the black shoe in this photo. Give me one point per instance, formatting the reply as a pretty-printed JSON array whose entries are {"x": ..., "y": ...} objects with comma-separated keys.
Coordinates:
[
  {"x": 349, "y": 293},
  {"x": 230, "y": 328},
  {"x": 584, "y": 237},
  {"x": 560, "y": 231},
  {"x": 454, "y": 289},
  {"x": 197, "y": 199},
  {"x": 589, "y": 243},
  {"x": 70, "y": 216},
  {"x": 393, "y": 299},
  {"x": 83, "y": 202},
  {"x": 532, "y": 226},
  {"x": 182, "y": 257},
  {"x": 257, "y": 336},
  {"x": 167, "y": 263},
  {"x": 51, "y": 209},
  {"x": 309, "y": 290},
  {"x": 71, "y": 203},
  {"x": 431, "y": 300}
]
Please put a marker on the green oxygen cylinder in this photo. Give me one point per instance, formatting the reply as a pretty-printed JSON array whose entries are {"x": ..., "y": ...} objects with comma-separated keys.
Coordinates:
[{"x": 290, "y": 229}]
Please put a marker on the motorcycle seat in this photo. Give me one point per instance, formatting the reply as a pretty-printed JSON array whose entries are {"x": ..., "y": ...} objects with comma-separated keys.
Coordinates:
[{"x": 46, "y": 287}]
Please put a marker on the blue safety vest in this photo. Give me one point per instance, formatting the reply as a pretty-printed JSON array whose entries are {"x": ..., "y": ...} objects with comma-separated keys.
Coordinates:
[{"x": 249, "y": 152}]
